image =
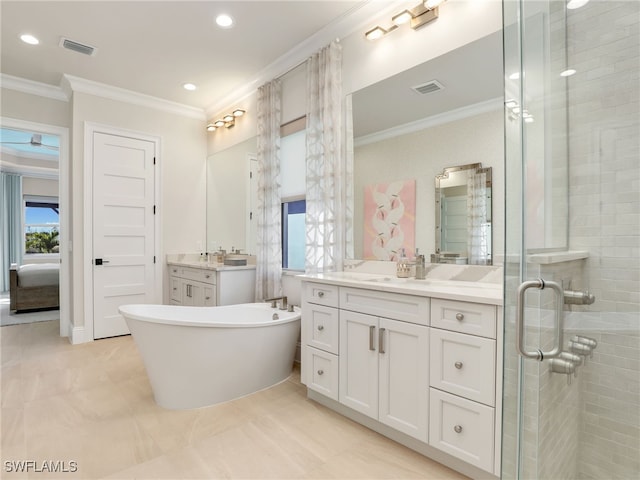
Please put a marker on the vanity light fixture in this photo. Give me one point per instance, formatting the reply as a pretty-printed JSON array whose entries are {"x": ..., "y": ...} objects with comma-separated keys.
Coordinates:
[
  {"x": 416, "y": 17},
  {"x": 228, "y": 120}
]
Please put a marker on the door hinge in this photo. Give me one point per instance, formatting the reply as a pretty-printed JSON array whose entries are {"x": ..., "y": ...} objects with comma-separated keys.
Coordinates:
[
  {"x": 154, "y": 209},
  {"x": 154, "y": 160},
  {"x": 154, "y": 259},
  {"x": 250, "y": 174},
  {"x": 250, "y": 215}
]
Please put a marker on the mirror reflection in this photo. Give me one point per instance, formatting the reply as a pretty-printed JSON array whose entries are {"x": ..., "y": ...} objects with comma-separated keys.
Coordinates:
[
  {"x": 230, "y": 197},
  {"x": 409, "y": 128},
  {"x": 463, "y": 215}
]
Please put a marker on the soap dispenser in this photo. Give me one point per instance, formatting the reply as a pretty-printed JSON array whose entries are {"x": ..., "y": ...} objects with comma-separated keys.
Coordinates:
[
  {"x": 402, "y": 265},
  {"x": 421, "y": 269}
]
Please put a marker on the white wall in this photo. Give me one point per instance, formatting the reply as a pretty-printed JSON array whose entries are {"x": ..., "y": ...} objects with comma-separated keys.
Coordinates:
[
  {"x": 182, "y": 163},
  {"x": 40, "y": 186}
]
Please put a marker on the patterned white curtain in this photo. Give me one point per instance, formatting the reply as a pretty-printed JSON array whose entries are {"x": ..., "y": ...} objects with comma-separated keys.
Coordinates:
[
  {"x": 268, "y": 205},
  {"x": 477, "y": 228},
  {"x": 11, "y": 224},
  {"x": 329, "y": 173}
]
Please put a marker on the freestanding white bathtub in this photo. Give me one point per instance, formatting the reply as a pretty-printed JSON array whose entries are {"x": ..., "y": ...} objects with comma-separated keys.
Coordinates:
[{"x": 199, "y": 356}]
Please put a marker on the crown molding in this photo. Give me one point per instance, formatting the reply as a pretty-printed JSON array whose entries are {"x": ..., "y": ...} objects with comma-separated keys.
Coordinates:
[
  {"x": 432, "y": 121},
  {"x": 30, "y": 171},
  {"x": 34, "y": 88},
  {"x": 71, "y": 83},
  {"x": 357, "y": 18}
]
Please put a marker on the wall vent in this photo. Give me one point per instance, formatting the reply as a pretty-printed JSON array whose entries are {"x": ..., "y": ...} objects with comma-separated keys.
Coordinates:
[
  {"x": 429, "y": 87},
  {"x": 77, "y": 47}
]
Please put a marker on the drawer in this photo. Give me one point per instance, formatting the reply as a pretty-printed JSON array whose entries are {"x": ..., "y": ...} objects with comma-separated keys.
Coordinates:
[
  {"x": 473, "y": 318},
  {"x": 462, "y": 428},
  {"x": 463, "y": 365},
  {"x": 322, "y": 372},
  {"x": 197, "y": 274},
  {"x": 321, "y": 293},
  {"x": 322, "y": 327},
  {"x": 209, "y": 299},
  {"x": 408, "y": 308}
]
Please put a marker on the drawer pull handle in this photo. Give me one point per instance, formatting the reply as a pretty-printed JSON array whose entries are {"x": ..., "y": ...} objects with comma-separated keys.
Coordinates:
[
  {"x": 459, "y": 317},
  {"x": 381, "y": 340},
  {"x": 175, "y": 288},
  {"x": 320, "y": 372},
  {"x": 457, "y": 428},
  {"x": 458, "y": 365},
  {"x": 207, "y": 276},
  {"x": 372, "y": 332},
  {"x": 320, "y": 294},
  {"x": 320, "y": 327},
  {"x": 207, "y": 298}
]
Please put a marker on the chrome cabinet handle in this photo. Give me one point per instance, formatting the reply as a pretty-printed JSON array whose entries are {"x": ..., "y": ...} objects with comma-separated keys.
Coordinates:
[
  {"x": 372, "y": 332},
  {"x": 320, "y": 294},
  {"x": 320, "y": 327},
  {"x": 459, "y": 316},
  {"x": 457, "y": 428},
  {"x": 381, "y": 340},
  {"x": 559, "y": 315},
  {"x": 458, "y": 365},
  {"x": 320, "y": 372}
]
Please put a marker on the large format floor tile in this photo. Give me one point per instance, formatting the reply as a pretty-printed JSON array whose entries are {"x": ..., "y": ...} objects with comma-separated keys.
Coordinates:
[{"x": 92, "y": 404}]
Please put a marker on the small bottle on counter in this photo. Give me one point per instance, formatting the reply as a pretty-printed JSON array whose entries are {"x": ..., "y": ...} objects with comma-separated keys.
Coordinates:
[
  {"x": 403, "y": 269},
  {"x": 421, "y": 269}
]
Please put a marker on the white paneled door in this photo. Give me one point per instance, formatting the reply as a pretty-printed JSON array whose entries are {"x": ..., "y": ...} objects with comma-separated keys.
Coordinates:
[{"x": 123, "y": 228}]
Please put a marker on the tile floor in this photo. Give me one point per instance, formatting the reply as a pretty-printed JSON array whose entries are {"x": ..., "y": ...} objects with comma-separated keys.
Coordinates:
[{"x": 92, "y": 404}]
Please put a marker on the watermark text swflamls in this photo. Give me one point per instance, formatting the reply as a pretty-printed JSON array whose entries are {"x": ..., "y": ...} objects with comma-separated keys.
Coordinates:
[{"x": 45, "y": 466}]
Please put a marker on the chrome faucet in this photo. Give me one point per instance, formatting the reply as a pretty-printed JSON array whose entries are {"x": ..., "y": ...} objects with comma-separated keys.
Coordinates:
[{"x": 274, "y": 304}]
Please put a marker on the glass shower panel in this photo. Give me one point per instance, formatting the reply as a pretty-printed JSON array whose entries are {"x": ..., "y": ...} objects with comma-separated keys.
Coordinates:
[{"x": 573, "y": 217}]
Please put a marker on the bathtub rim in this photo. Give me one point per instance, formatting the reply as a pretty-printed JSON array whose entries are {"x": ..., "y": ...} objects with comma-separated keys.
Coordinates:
[{"x": 130, "y": 312}]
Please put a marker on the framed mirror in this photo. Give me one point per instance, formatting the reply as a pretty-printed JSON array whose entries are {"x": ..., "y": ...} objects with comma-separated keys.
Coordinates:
[{"x": 463, "y": 213}]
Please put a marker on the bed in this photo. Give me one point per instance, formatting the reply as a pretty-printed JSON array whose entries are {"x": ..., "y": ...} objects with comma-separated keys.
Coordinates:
[{"x": 34, "y": 286}]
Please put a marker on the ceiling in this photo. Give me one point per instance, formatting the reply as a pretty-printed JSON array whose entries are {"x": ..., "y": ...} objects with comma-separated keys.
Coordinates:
[
  {"x": 154, "y": 47},
  {"x": 470, "y": 75}
]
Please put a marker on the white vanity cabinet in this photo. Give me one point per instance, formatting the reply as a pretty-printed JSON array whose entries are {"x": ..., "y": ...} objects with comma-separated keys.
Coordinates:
[
  {"x": 192, "y": 287},
  {"x": 206, "y": 287},
  {"x": 384, "y": 371},
  {"x": 463, "y": 381},
  {"x": 410, "y": 366},
  {"x": 320, "y": 337}
]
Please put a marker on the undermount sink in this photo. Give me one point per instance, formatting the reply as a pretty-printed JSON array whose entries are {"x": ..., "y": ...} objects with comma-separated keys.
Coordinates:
[{"x": 392, "y": 280}]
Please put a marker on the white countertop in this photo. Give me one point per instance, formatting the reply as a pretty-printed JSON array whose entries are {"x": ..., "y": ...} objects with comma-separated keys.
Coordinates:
[
  {"x": 478, "y": 292},
  {"x": 209, "y": 266}
]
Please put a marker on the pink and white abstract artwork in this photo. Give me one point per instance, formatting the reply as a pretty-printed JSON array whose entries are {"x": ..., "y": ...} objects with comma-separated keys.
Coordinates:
[{"x": 389, "y": 219}]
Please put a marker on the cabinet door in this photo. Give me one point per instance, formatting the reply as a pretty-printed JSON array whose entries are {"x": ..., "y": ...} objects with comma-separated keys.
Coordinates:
[
  {"x": 359, "y": 362},
  {"x": 209, "y": 299},
  {"x": 176, "y": 290},
  {"x": 404, "y": 377},
  {"x": 193, "y": 294}
]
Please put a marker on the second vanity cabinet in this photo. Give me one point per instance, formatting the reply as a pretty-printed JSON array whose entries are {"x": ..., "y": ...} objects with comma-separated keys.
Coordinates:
[
  {"x": 420, "y": 365},
  {"x": 208, "y": 287}
]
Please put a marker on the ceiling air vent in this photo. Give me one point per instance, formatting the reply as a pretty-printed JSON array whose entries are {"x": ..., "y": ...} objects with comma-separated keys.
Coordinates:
[
  {"x": 429, "y": 87},
  {"x": 77, "y": 47}
]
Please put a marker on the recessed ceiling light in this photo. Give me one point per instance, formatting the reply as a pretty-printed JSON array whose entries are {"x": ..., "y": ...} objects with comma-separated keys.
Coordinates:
[
  {"x": 568, "y": 72},
  {"x": 514, "y": 76},
  {"x": 30, "y": 39},
  {"x": 189, "y": 86},
  {"x": 224, "y": 21}
]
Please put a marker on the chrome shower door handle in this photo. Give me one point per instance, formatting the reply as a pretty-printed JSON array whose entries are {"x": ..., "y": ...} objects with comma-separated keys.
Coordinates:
[{"x": 559, "y": 315}]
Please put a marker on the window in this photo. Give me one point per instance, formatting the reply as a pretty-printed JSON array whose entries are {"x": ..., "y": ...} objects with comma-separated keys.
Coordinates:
[
  {"x": 293, "y": 234},
  {"x": 41, "y": 225},
  {"x": 293, "y": 169}
]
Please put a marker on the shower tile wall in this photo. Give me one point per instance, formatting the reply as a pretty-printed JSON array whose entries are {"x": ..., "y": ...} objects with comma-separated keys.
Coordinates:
[{"x": 604, "y": 48}]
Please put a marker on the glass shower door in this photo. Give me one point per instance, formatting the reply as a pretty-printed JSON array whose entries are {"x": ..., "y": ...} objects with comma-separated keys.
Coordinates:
[{"x": 573, "y": 220}]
